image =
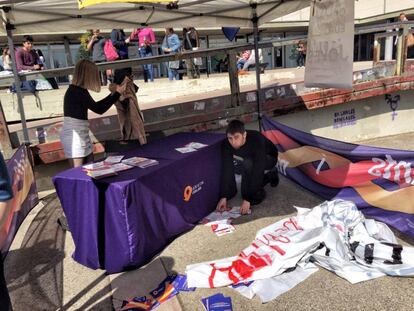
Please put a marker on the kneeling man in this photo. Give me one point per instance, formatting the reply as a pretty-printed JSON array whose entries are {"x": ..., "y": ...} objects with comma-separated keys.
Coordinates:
[{"x": 257, "y": 154}]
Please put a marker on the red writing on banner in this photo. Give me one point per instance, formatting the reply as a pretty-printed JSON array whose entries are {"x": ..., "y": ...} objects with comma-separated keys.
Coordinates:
[{"x": 256, "y": 256}]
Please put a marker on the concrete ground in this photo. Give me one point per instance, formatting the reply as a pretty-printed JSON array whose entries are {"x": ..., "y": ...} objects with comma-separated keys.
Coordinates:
[{"x": 41, "y": 274}]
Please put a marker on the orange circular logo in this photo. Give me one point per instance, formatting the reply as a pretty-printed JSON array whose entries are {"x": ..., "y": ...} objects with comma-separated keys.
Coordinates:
[{"x": 188, "y": 191}]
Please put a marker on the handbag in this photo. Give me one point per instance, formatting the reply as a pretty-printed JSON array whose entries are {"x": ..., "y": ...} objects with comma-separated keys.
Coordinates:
[
  {"x": 110, "y": 51},
  {"x": 198, "y": 61},
  {"x": 174, "y": 64}
]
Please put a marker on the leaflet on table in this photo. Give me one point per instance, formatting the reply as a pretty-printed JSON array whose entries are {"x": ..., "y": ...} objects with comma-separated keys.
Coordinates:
[
  {"x": 196, "y": 145},
  {"x": 101, "y": 170},
  {"x": 191, "y": 147},
  {"x": 113, "y": 159},
  {"x": 118, "y": 167},
  {"x": 140, "y": 162},
  {"x": 96, "y": 174},
  {"x": 96, "y": 166},
  {"x": 148, "y": 163}
]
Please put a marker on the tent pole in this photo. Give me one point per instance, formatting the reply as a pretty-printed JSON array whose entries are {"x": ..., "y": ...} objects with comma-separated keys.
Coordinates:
[
  {"x": 17, "y": 83},
  {"x": 255, "y": 21}
]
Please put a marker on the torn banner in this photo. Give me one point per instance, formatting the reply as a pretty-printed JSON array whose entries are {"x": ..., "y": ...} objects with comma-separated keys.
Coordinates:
[
  {"x": 334, "y": 235},
  {"x": 379, "y": 181}
]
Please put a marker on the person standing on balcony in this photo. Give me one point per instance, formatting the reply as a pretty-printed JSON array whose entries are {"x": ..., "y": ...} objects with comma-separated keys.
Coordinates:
[
  {"x": 191, "y": 42},
  {"x": 301, "y": 58},
  {"x": 6, "y": 58},
  {"x": 96, "y": 45},
  {"x": 146, "y": 39},
  {"x": 171, "y": 44},
  {"x": 120, "y": 42}
]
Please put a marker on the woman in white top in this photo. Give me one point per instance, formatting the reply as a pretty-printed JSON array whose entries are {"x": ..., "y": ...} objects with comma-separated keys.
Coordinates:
[{"x": 6, "y": 58}]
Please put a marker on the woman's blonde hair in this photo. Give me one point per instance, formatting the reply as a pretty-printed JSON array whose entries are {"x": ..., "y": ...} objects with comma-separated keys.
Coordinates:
[{"x": 87, "y": 75}]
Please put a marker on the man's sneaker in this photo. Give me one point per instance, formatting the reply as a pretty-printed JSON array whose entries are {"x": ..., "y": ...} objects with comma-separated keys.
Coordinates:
[
  {"x": 274, "y": 178},
  {"x": 258, "y": 197}
]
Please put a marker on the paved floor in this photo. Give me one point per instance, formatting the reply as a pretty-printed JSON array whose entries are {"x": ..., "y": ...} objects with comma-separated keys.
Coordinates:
[{"x": 42, "y": 275}]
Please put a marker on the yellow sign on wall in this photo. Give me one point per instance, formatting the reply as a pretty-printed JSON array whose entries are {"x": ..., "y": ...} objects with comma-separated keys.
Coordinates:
[{"x": 85, "y": 3}]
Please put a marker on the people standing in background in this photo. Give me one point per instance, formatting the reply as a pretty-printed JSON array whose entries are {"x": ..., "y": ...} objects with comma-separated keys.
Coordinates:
[
  {"x": 96, "y": 44},
  {"x": 191, "y": 42},
  {"x": 171, "y": 44},
  {"x": 26, "y": 57},
  {"x": 410, "y": 51},
  {"x": 146, "y": 39},
  {"x": 301, "y": 50},
  {"x": 75, "y": 138},
  {"x": 6, "y": 193},
  {"x": 120, "y": 42},
  {"x": 243, "y": 59},
  {"x": 6, "y": 58}
]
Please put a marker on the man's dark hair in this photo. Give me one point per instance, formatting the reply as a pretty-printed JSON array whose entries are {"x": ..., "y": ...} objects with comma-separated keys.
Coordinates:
[
  {"x": 235, "y": 126},
  {"x": 27, "y": 38}
]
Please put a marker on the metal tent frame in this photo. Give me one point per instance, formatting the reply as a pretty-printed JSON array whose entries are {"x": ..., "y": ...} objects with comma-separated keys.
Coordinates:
[{"x": 59, "y": 16}]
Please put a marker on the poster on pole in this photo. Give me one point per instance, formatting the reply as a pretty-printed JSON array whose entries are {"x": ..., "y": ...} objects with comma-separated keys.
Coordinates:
[
  {"x": 25, "y": 197},
  {"x": 330, "y": 46}
]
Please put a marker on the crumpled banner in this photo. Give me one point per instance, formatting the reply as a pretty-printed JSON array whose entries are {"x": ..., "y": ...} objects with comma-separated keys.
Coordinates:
[{"x": 333, "y": 235}]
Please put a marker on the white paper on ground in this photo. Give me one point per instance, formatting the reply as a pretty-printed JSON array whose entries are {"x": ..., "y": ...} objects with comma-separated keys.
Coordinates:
[{"x": 221, "y": 217}]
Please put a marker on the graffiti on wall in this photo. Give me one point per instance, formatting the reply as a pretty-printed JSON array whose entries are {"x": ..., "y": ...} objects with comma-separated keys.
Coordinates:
[
  {"x": 344, "y": 118},
  {"x": 393, "y": 101}
]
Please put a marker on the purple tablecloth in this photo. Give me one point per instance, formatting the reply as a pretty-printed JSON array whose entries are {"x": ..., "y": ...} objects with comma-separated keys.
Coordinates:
[{"x": 121, "y": 222}]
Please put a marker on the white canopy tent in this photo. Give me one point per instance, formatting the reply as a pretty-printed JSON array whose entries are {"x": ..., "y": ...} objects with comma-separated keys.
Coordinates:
[{"x": 54, "y": 16}]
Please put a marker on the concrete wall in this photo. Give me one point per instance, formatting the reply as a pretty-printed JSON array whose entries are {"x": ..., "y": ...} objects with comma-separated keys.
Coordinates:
[
  {"x": 358, "y": 120},
  {"x": 363, "y": 9}
]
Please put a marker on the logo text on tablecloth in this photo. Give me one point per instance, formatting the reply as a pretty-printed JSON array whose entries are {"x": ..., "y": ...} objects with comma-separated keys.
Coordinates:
[{"x": 189, "y": 191}]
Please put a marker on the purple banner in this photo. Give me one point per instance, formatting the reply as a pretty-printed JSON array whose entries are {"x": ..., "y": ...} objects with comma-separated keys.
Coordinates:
[
  {"x": 24, "y": 197},
  {"x": 378, "y": 180}
]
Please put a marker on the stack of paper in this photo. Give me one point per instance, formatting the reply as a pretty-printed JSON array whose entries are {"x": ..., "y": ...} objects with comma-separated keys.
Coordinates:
[
  {"x": 98, "y": 170},
  {"x": 140, "y": 162},
  {"x": 217, "y": 302},
  {"x": 113, "y": 160}
]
